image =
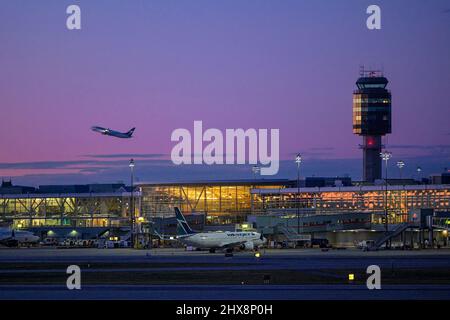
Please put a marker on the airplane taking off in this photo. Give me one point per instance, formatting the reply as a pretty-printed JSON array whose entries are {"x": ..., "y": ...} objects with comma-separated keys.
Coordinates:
[
  {"x": 216, "y": 240},
  {"x": 12, "y": 238},
  {"x": 113, "y": 133}
]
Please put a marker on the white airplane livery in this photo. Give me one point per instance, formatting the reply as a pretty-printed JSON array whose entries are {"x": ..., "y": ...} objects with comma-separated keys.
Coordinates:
[
  {"x": 12, "y": 238},
  {"x": 216, "y": 240}
]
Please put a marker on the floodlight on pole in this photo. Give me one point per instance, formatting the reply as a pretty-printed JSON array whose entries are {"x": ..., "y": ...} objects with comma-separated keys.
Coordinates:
[
  {"x": 255, "y": 170},
  {"x": 132, "y": 217},
  {"x": 400, "y": 165},
  {"x": 298, "y": 161},
  {"x": 419, "y": 170},
  {"x": 386, "y": 155}
]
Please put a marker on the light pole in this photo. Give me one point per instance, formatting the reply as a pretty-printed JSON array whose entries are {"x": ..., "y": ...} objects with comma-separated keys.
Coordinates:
[
  {"x": 131, "y": 165},
  {"x": 298, "y": 161},
  {"x": 400, "y": 165},
  {"x": 419, "y": 170},
  {"x": 386, "y": 155},
  {"x": 255, "y": 170}
]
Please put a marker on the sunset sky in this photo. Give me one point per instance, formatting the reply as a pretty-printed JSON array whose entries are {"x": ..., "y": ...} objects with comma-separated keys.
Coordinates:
[{"x": 160, "y": 65}]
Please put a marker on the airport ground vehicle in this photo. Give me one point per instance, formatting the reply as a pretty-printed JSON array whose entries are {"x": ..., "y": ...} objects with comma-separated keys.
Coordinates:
[
  {"x": 321, "y": 243},
  {"x": 49, "y": 242},
  {"x": 77, "y": 243},
  {"x": 112, "y": 244},
  {"x": 366, "y": 245}
]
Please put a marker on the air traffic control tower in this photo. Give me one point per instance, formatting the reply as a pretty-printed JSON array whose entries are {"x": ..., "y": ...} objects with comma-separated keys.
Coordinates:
[{"x": 371, "y": 119}]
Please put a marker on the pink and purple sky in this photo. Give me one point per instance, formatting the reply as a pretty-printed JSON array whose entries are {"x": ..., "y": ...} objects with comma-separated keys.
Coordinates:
[{"x": 160, "y": 65}]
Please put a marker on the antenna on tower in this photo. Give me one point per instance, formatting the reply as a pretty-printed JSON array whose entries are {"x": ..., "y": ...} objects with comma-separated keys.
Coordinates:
[
  {"x": 361, "y": 70},
  {"x": 370, "y": 73}
]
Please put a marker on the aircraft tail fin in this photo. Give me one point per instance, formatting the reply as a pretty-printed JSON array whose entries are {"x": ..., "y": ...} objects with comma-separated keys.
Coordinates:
[
  {"x": 130, "y": 132},
  {"x": 183, "y": 227}
]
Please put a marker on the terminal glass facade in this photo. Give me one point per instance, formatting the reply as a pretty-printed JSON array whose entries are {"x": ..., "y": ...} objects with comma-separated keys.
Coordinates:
[
  {"x": 76, "y": 210},
  {"x": 400, "y": 200},
  {"x": 221, "y": 203}
]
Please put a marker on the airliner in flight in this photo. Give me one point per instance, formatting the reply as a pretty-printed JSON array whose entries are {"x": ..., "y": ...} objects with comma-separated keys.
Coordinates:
[
  {"x": 113, "y": 133},
  {"x": 247, "y": 240},
  {"x": 12, "y": 238}
]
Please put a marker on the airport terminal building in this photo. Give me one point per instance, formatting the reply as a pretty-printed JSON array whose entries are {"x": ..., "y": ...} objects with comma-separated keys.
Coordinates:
[
  {"x": 400, "y": 200},
  {"x": 74, "y": 206},
  {"x": 323, "y": 207},
  {"x": 221, "y": 202}
]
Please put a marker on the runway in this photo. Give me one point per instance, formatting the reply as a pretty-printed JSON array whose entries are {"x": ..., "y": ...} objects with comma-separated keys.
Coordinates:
[
  {"x": 168, "y": 274},
  {"x": 228, "y": 292}
]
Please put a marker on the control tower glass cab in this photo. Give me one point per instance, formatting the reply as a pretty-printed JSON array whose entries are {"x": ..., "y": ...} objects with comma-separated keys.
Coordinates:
[{"x": 371, "y": 119}]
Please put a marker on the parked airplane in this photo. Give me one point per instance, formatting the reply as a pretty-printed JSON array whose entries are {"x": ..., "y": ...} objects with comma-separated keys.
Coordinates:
[
  {"x": 216, "y": 240},
  {"x": 113, "y": 133},
  {"x": 12, "y": 238}
]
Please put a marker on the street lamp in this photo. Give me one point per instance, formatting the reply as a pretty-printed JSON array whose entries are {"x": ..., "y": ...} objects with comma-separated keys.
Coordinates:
[
  {"x": 386, "y": 155},
  {"x": 400, "y": 165},
  {"x": 131, "y": 165},
  {"x": 298, "y": 161}
]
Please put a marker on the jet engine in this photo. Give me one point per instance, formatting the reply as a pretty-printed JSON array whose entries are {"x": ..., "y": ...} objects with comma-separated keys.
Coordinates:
[{"x": 248, "y": 246}]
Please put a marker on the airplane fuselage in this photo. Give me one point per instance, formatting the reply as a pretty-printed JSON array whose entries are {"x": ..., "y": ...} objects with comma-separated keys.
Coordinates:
[
  {"x": 113, "y": 133},
  {"x": 11, "y": 239},
  {"x": 216, "y": 240}
]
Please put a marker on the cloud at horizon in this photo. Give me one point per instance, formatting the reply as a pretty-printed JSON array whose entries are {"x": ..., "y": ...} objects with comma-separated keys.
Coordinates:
[{"x": 157, "y": 170}]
